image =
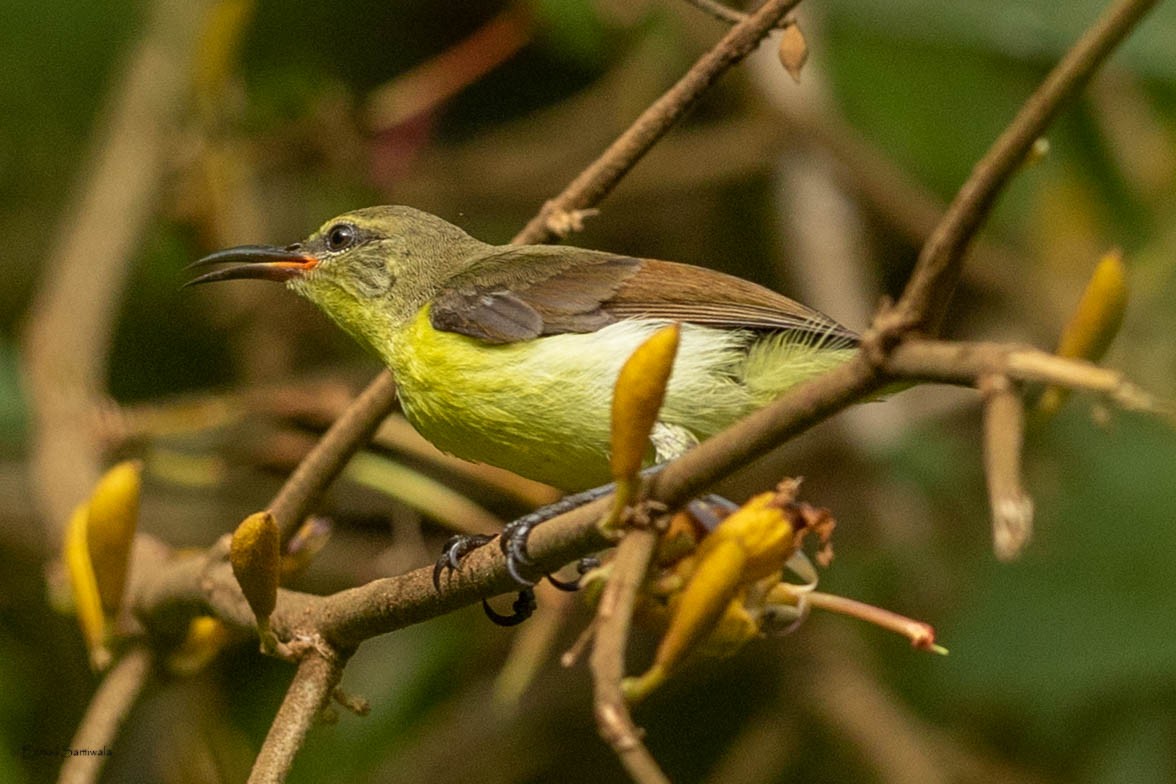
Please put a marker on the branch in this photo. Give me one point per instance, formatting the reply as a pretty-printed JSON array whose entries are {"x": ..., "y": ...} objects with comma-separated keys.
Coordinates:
[
  {"x": 924, "y": 302},
  {"x": 966, "y": 363},
  {"x": 351, "y": 616},
  {"x": 614, "y": 616},
  {"x": 1004, "y": 432},
  {"x": 602, "y": 175},
  {"x": 723, "y": 13},
  {"x": 105, "y": 715},
  {"x": 316, "y": 679},
  {"x": 345, "y": 436}
]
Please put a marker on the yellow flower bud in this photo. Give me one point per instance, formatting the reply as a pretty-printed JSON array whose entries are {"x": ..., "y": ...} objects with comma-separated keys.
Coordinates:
[
  {"x": 793, "y": 51},
  {"x": 638, "y": 396},
  {"x": 87, "y": 603},
  {"x": 255, "y": 558},
  {"x": 113, "y": 516},
  {"x": 762, "y": 530},
  {"x": 1094, "y": 324},
  {"x": 205, "y": 638},
  {"x": 752, "y": 543}
]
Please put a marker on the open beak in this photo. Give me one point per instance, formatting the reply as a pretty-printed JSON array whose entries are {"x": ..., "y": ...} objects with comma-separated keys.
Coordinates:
[{"x": 262, "y": 262}]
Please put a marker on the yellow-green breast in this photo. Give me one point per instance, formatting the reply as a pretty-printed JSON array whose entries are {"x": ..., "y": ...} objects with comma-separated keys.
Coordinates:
[{"x": 540, "y": 407}]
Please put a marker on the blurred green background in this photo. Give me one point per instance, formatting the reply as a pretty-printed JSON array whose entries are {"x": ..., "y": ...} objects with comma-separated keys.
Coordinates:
[{"x": 281, "y": 114}]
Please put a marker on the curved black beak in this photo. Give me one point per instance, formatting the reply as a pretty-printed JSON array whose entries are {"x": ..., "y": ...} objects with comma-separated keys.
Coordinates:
[{"x": 261, "y": 262}]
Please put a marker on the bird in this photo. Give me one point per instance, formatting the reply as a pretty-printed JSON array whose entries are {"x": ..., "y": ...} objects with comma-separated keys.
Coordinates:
[{"x": 508, "y": 354}]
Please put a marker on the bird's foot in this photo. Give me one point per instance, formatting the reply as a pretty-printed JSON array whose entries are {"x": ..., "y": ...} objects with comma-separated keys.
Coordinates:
[
  {"x": 525, "y": 604},
  {"x": 513, "y": 542},
  {"x": 515, "y": 533},
  {"x": 583, "y": 566},
  {"x": 523, "y": 607},
  {"x": 454, "y": 550}
]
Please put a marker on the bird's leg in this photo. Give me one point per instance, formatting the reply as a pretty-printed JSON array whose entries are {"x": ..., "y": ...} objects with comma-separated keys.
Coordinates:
[
  {"x": 523, "y": 607},
  {"x": 513, "y": 539},
  {"x": 709, "y": 511},
  {"x": 515, "y": 533}
]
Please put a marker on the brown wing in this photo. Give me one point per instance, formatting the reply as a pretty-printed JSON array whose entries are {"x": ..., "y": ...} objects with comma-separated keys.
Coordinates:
[
  {"x": 664, "y": 289},
  {"x": 528, "y": 291}
]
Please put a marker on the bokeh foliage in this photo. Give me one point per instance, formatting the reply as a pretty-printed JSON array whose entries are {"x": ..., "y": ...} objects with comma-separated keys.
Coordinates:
[{"x": 1063, "y": 665}]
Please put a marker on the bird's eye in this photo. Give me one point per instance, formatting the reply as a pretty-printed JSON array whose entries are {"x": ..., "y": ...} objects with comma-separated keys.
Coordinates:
[{"x": 341, "y": 236}]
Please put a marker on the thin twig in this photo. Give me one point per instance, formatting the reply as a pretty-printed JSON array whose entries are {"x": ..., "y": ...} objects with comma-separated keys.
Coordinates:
[
  {"x": 614, "y": 616},
  {"x": 924, "y": 303},
  {"x": 328, "y": 457},
  {"x": 724, "y": 13},
  {"x": 1004, "y": 432},
  {"x": 105, "y": 715},
  {"x": 315, "y": 681},
  {"x": 965, "y": 363},
  {"x": 596, "y": 181}
]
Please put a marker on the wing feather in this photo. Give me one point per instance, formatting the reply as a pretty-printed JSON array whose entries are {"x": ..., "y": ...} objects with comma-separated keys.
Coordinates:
[{"x": 524, "y": 292}]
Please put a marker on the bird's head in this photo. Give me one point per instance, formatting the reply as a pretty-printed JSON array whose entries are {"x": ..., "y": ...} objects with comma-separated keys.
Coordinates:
[{"x": 370, "y": 270}]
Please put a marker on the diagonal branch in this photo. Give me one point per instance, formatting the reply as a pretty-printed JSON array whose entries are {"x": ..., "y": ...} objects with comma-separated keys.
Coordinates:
[
  {"x": 105, "y": 715},
  {"x": 317, "y": 676},
  {"x": 602, "y": 175},
  {"x": 330, "y": 454},
  {"x": 614, "y": 616},
  {"x": 924, "y": 303}
]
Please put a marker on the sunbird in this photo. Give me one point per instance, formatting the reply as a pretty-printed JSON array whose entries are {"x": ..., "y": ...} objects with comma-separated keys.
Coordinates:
[{"x": 508, "y": 354}]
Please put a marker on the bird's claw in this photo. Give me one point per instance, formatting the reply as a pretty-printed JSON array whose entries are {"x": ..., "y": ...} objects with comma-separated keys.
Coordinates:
[
  {"x": 515, "y": 534},
  {"x": 514, "y": 546},
  {"x": 513, "y": 542},
  {"x": 583, "y": 566},
  {"x": 455, "y": 549},
  {"x": 523, "y": 607}
]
